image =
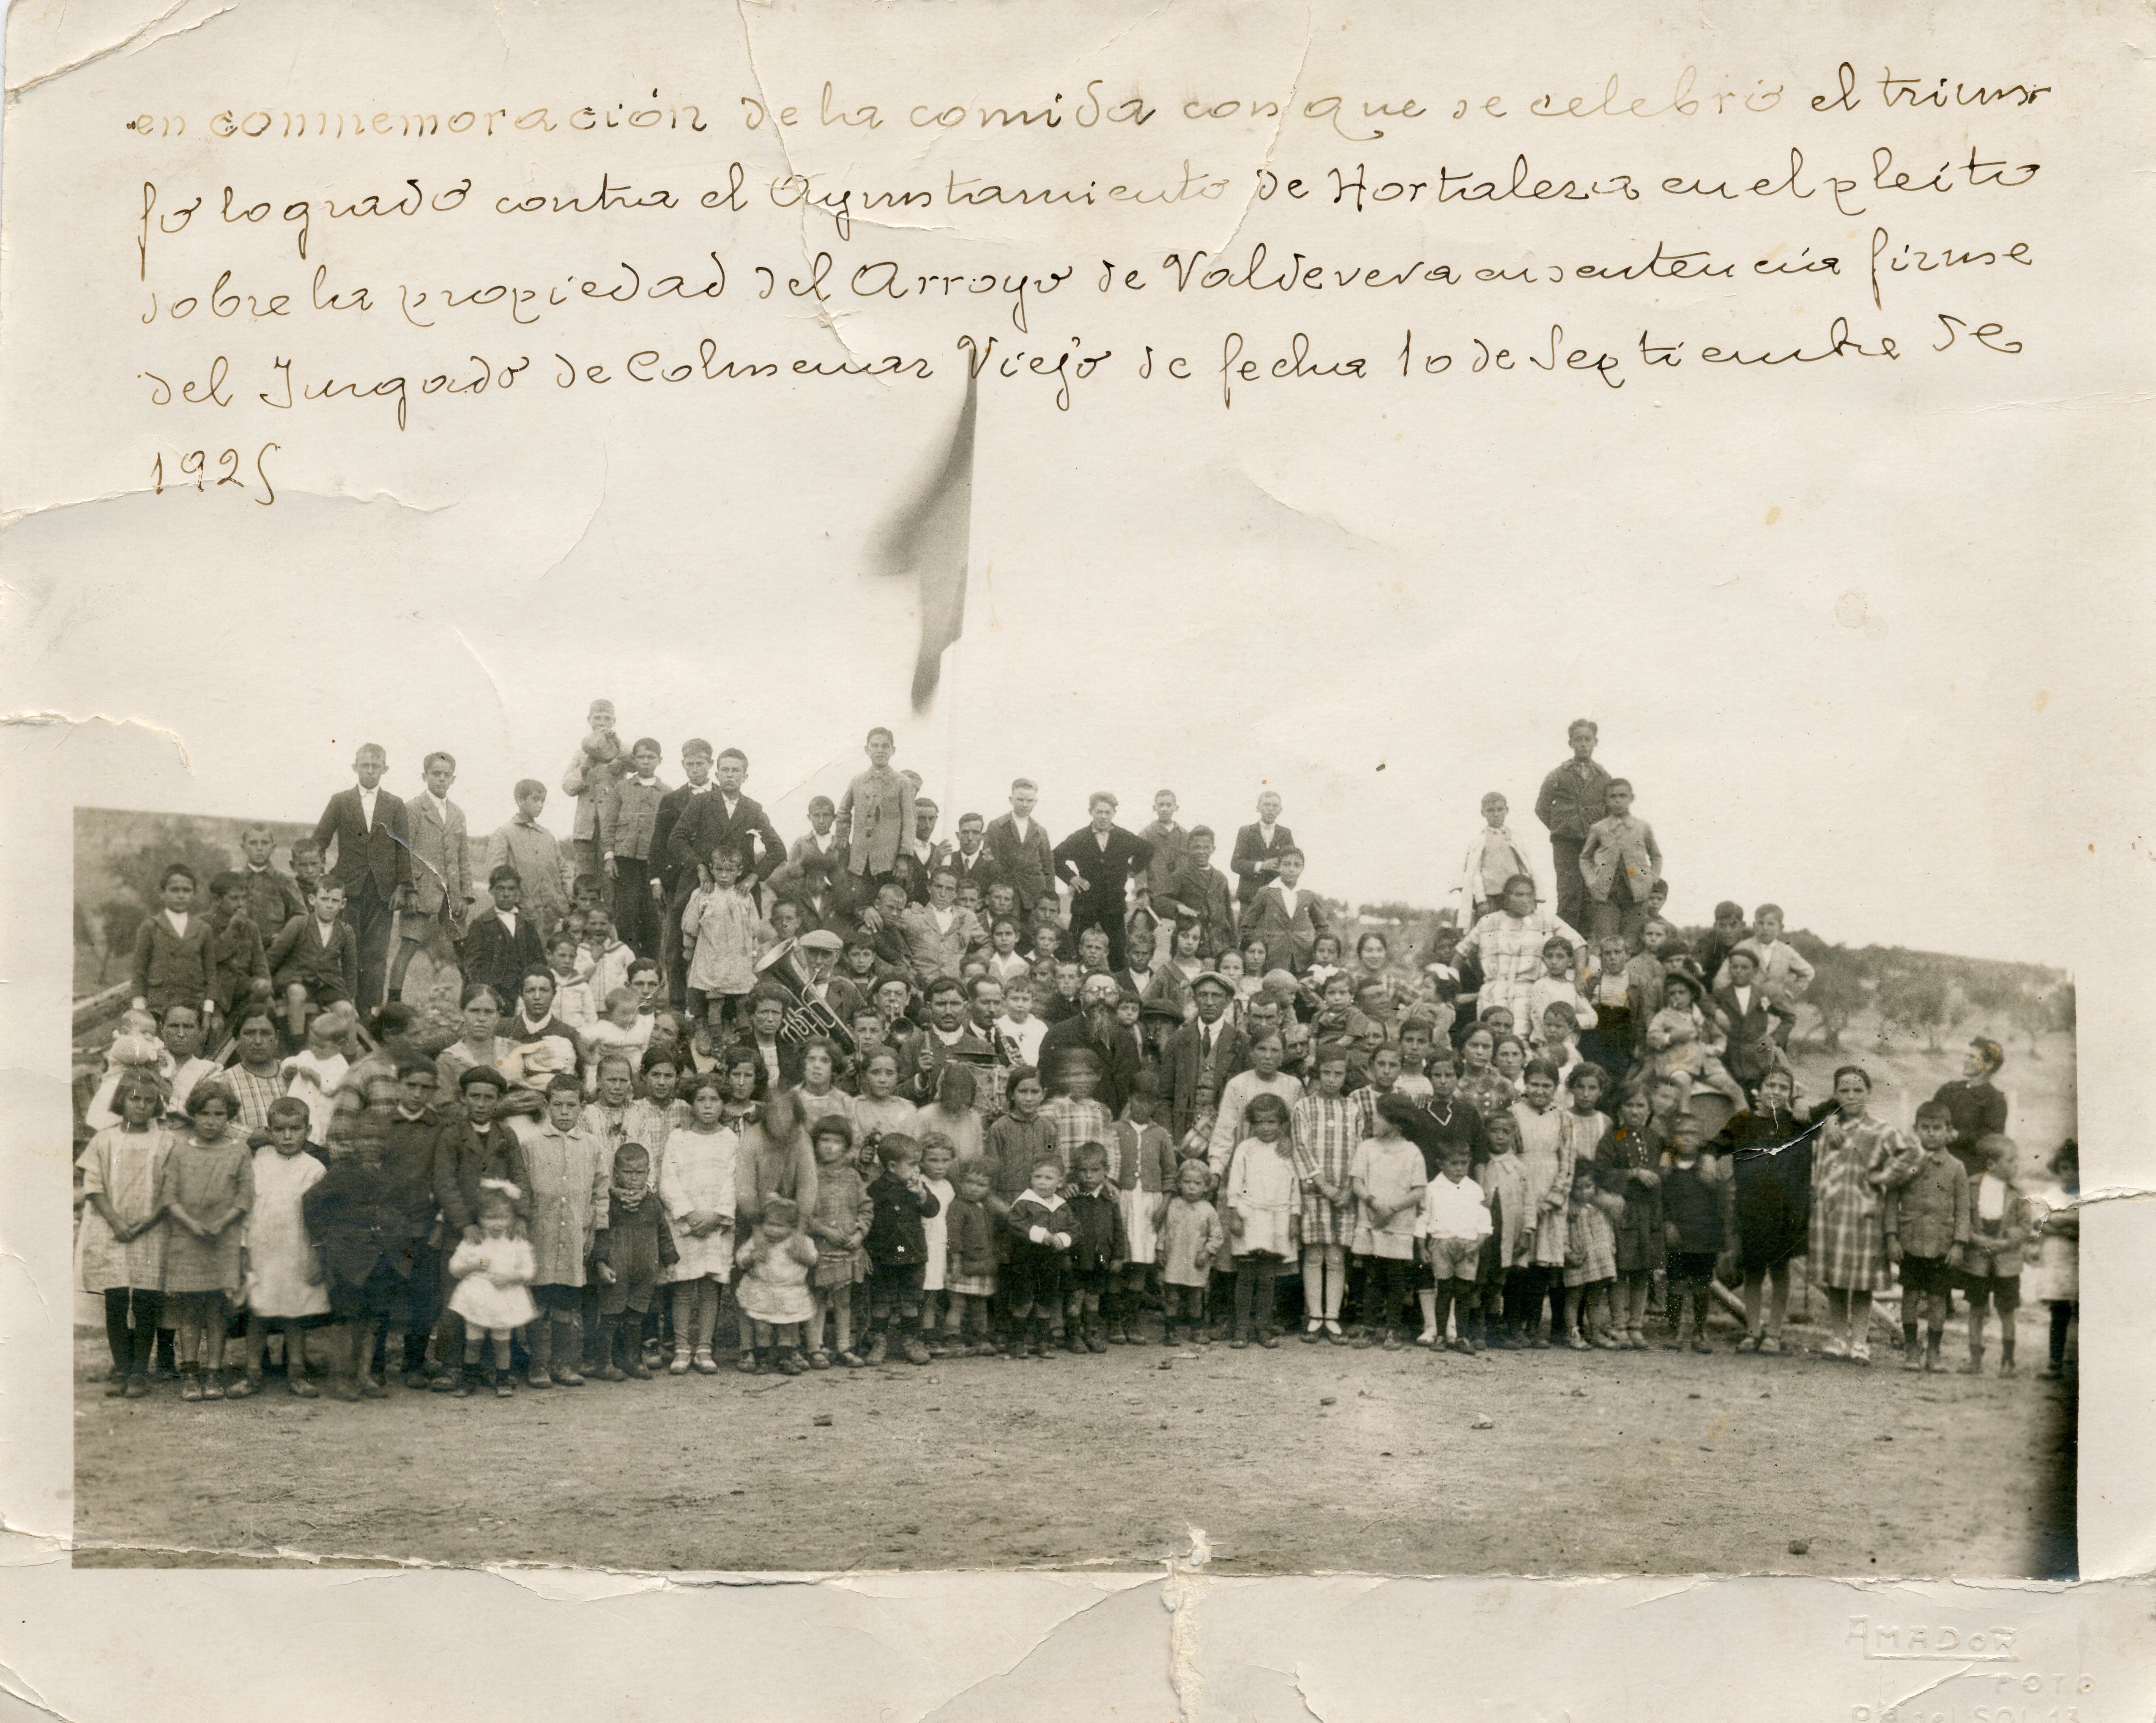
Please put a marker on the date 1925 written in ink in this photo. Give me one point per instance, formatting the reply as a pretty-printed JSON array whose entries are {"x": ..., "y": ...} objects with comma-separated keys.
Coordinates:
[{"x": 207, "y": 470}]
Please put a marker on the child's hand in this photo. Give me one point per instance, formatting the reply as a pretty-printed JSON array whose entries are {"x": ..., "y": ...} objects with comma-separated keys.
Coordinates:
[
  {"x": 1669, "y": 1234},
  {"x": 1062, "y": 1241},
  {"x": 1647, "y": 1176},
  {"x": 1893, "y": 1250},
  {"x": 1958, "y": 1257},
  {"x": 607, "y": 1275}
]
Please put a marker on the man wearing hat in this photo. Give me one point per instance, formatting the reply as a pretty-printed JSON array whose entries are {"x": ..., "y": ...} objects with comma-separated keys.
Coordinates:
[
  {"x": 819, "y": 948},
  {"x": 1095, "y": 1029},
  {"x": 1198, "y": 1057}
]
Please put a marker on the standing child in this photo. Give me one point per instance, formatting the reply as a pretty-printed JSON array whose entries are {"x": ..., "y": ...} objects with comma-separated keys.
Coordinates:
[
  {"x": 1627, "y": 1165},
  {"x": 1190, "y": 1243},
  {"x": 1546, "y": 1158},
  {"x": 207, "y": 1189},
  {"x": 839, "y": 1227},
  {"x": 632, "y": 1257},
  {"x": 2002, "y": 1221},
  {"x": 1264, "y": 1216},
  {"x": 937, "y": 1158},
  {"x": 1621, "y": 863},
  {"x": 1323, "y": 1129},
  {"x": 570, "y": 1179},
  {"x": 1039, "y": 1222},
  {"x": 698, "y": 1187},
  {"x": 1099, "y": 1248},
  {"x": 1590, "y": 1262},
  {"x": 1385, "y": 1172},
  {"x": 1927, "y": 1226},
  {"x": 1857, "y": 1160},
  {"x": 2058, "y": 1263},
  {"x": 954, "y": 1114},
  {"x": 124, "y": 1230},
  {"x": 284, "y": 1283},
  {"x": 970, "y": 1270},
  {"x": 1694, "y": 1205},
  {"x": 775, "y": 1264},
  {"x": 1770, "y": 1160},
  {"x": 492, "y": 1273},
  {"x": 1144, "y": 1158},
  {"x": 1503, "y": 1177},
  {"x": 878, "y": 1108},
  {"x": 718, "y": 928},
  {"x": 897, "y": 1245},
  {"x": 1456, "y": 1223}
]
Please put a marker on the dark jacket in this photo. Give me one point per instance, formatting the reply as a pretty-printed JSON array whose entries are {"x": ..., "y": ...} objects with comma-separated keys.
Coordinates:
[
  {"x": 241, "y": 960},
  {"x": 1119, "y": 1061},
  {"x": 1097, "y": 1238},
  {"x": 360, "y": 1216},
  {"x": 270, "y": 897},
  {"x": 970, "y": 1235},
  {"x": 1572, "y": 798},
  {"x": 1692, "y": 1207},
  {"x": 1438, "y": 1123},
  {"x": 896, "y": 1238},
  {"x": 171, "y": 969},
  {"x": 1186, "y": 1072},
  {"x": 1205, "y": 892},
  {"x": 462, "y": 1158},
  {"x": 639, "y": 1247},
  {"x": 502, "y": 959},
  {"x": 1108, "y": 872},
  {"x": 1751, "y": 1052},
  {"x": 411, "y": 1149},
  {"x": 1027, "y": 866},
  {"x": 381, "y": 858},
  {"x": 701, "y": 825},
  {"x": 298, "y": 957},
  {"x": 1251, "y": 849}
]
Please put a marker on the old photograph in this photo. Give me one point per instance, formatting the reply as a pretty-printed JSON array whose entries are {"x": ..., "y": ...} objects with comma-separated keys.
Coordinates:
[{"x": 829, "y": 1170}]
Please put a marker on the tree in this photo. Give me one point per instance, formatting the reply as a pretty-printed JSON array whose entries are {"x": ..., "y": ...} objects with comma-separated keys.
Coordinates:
[
  {"x": 1919, "y": 1002},
  {"x": 1836, "y": 996}
]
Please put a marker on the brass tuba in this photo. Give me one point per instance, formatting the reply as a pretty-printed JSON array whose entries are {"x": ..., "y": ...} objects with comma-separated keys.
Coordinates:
[{"x": 808, "y": 1018}]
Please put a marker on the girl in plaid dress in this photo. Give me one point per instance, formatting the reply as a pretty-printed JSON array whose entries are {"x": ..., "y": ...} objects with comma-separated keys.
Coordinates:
[
  {"x": 1857, "y": 1160},
  {"x": 1546, "y": 1161},
  {"x": 1323, "y": 1128}
]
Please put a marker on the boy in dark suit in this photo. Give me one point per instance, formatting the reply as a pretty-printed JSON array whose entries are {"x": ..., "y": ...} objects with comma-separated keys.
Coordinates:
[
  {"x": 373, "y": 839},
  {"x": 1098, "y": 860},
  {"x": 502, "y": 945},
  {"x": 1257, "y": 858},
  {"x": 243, "y": 969},
  {"x": 1020, "y": 848},
  {"x": 314, "y": 962},
  {"x": 270, "y": 897}
]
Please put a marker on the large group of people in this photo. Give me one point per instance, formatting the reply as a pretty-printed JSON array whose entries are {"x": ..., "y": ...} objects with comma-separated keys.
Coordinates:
[{"x": 590, "y": 1109}]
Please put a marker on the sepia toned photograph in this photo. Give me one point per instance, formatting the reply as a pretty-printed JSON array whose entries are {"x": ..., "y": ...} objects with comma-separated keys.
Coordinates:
[{"x": 821, "y": 1174}]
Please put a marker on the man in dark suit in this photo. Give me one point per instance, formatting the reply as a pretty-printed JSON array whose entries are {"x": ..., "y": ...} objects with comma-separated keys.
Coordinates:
[
  {"x": 373, "y": 839},
  {"x": 501, "y": 946},
  {"x": 969, "y": 857},
  {"x": 725, "y": 816},
  {"x": 1098, "y": 860},
  {"x": 1093, "y": 1028},
  {"x": 1256, "y": 856},
  {"x": 1200, "y": 1056},
  {"x": 679, "y": 879},
  {"x": 1018, "y": 846}
]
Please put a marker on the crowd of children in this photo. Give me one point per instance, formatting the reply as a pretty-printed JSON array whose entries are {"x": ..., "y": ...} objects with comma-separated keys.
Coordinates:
[{"x": 870, "y": 1096}]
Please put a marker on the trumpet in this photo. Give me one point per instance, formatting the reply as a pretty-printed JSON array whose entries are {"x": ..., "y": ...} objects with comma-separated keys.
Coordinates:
[{"x": 808, "y": 1018}]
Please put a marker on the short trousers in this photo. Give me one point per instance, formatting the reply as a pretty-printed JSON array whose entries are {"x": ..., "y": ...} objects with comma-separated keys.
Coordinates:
[
  {"x": 1089, "y": 1280},
  {"x": 1455, "y": 1258},
  {"x": 369, "y": 1299},
  {"x": 897, "y": 1283},
  {"x": 1926, "y": 1274},
  {"x": 2005, "y": 1290},
  {"x": 558, "y": 1301},
  {"x": 1691, "y": 1266}
]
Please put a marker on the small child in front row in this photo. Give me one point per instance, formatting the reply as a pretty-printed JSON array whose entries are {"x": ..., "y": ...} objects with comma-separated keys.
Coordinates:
[
  {"x": 897, "y": 1245},
  {"x": 840, "y": 1226},
  {"x": 2058, "y": 1261},
  {"x": 207, "y": 1189},
  {"x": 285, "y": 1287},
  {"x": 938, "y": 1157},
  {"x": 1387, "y": 1174},
  {"x": 2002, "y": 1223},
  {"x": 1145, "y": 1175},
  {"x": 969, "y": 1275},
  {"x": 1190, "y": 1241},
  {"x": 1590, "y": 1262},
  {"x": 1040, "y": 1220},
  {"x": 493, "y": 1287},
  {"x": 633, "y": 1257},
  {"x": 1502, "y": 1176},
  {"x": 774, "y": 1287},
  {"x": 1456, "y": 1223},
  {"x": 1099, "y": 1249},
  {"x": 1927, "y": 1226},
  {"x": 1695, "y": 1225},
  {"x": 1263, "y": 1206}
]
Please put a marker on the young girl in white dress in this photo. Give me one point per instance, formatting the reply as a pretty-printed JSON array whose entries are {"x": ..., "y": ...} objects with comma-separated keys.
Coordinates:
[
  {"x": 284, "y": 1285},
  {"x": 697, "y": 1186},
  {"x": 493, "y": 1285}
]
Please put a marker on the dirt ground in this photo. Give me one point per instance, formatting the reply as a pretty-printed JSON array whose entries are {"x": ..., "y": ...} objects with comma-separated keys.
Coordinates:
[
  {"x": 1304, "y": 1459},
  {"x": 1293, "y": 1460}
]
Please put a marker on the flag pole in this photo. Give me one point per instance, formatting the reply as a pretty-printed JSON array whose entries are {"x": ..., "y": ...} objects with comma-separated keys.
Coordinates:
[{"x": 950, "y": 733}]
